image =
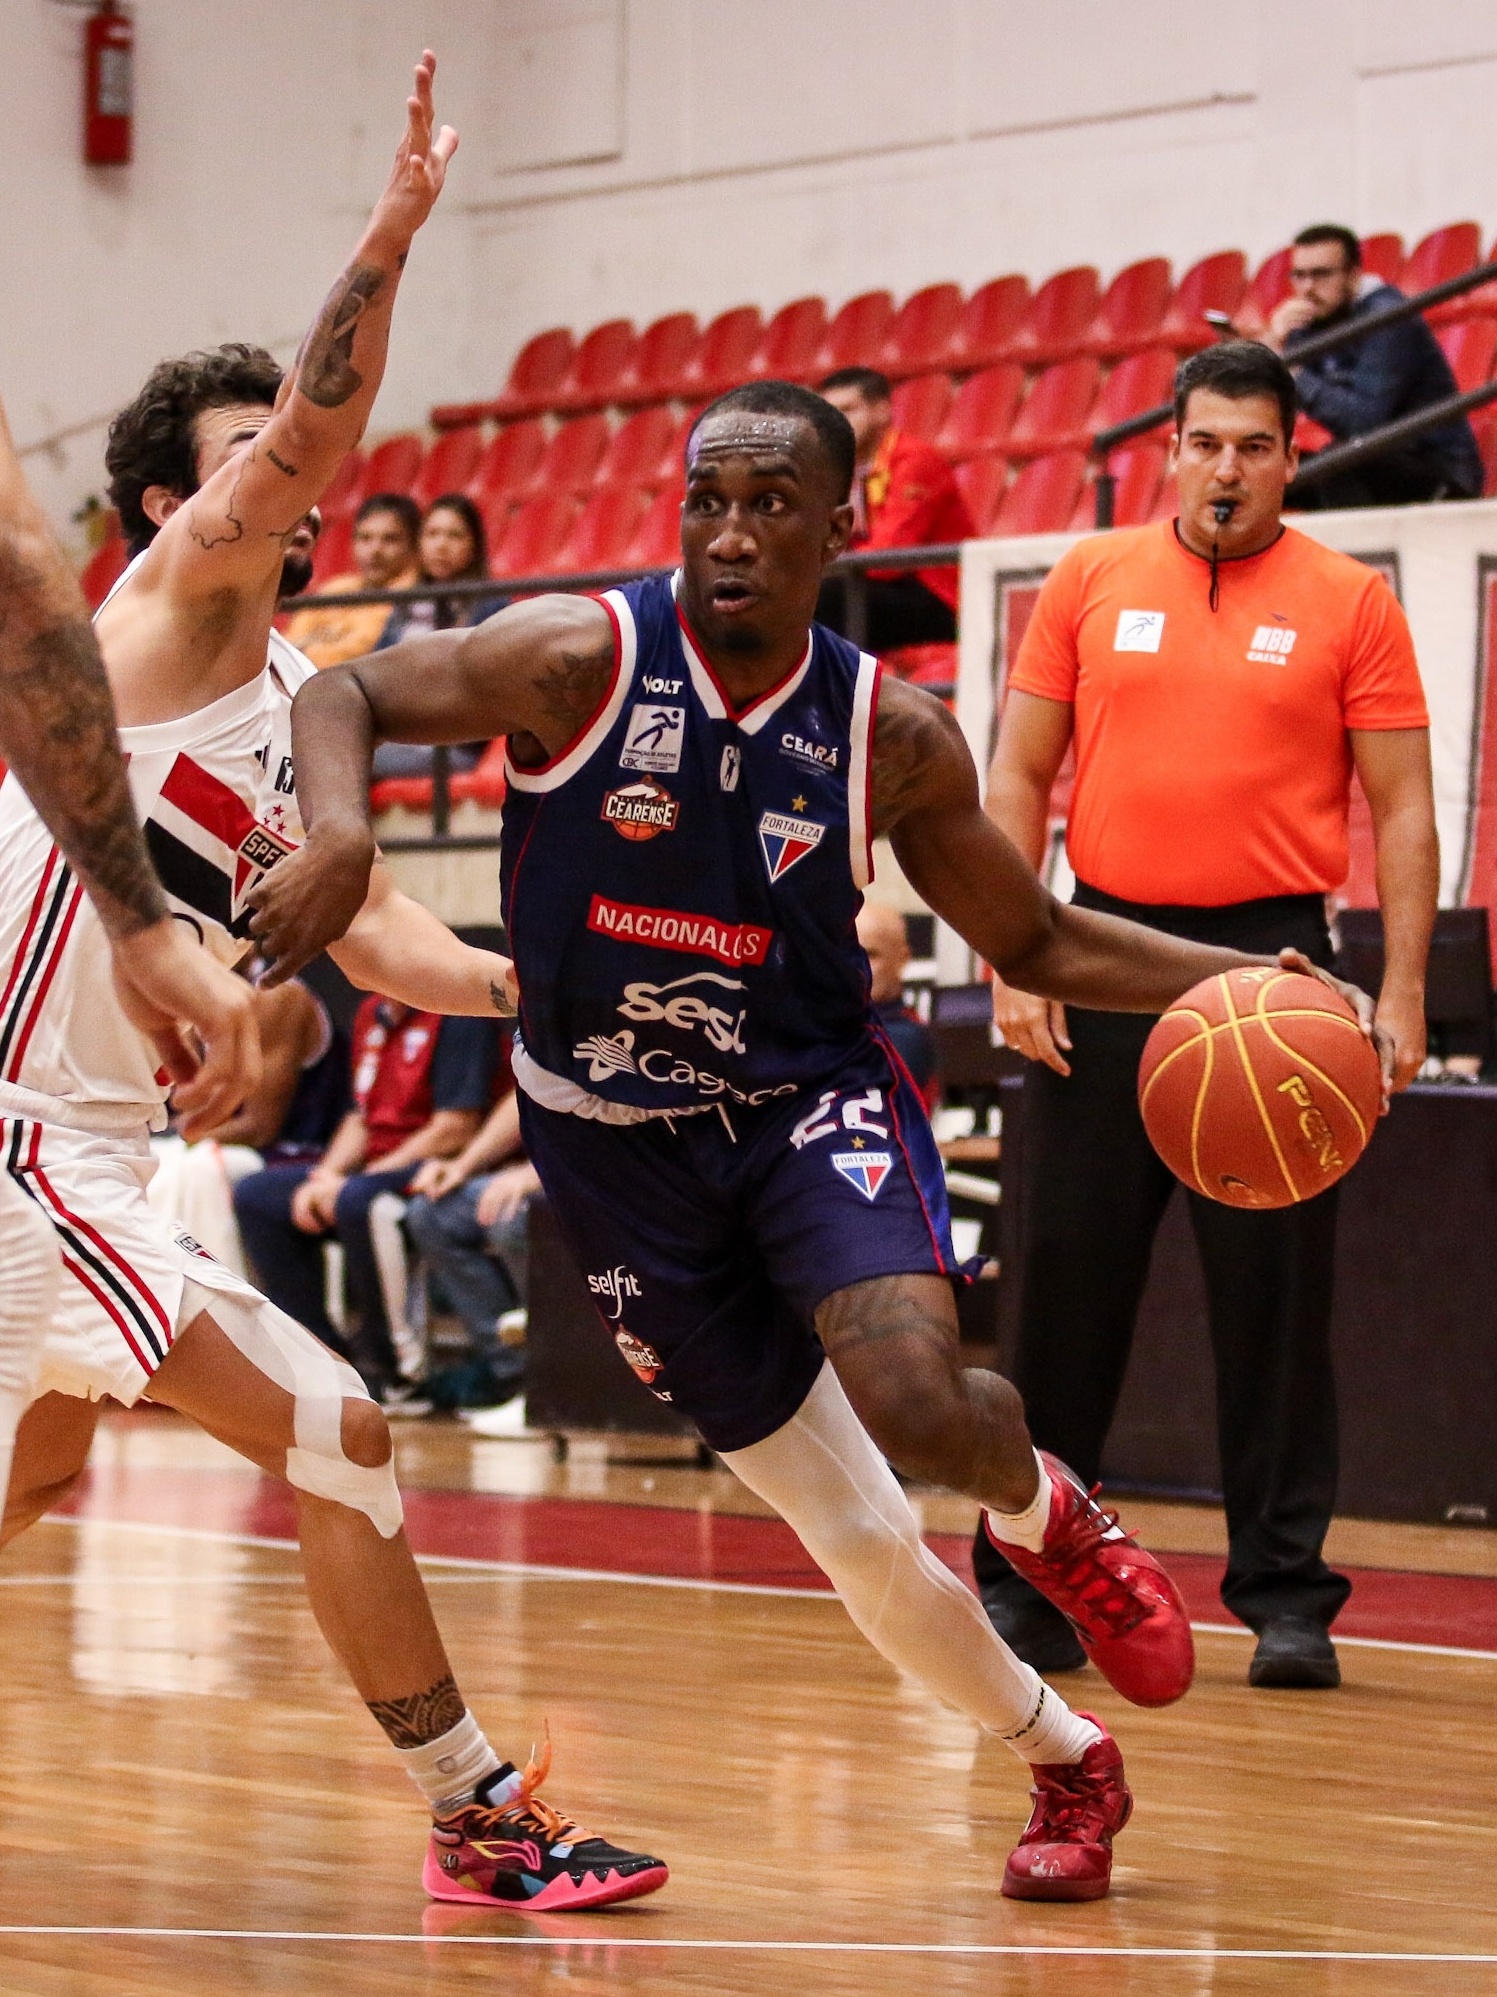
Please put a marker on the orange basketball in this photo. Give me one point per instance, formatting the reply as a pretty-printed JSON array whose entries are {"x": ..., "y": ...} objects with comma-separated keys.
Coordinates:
[{"x": 1259, "y": 1088}]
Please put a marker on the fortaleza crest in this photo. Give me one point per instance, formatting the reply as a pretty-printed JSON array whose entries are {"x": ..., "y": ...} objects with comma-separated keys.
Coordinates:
[
  {"x": 786, "y": 840},
  {"x": 867, "y": 1170}
]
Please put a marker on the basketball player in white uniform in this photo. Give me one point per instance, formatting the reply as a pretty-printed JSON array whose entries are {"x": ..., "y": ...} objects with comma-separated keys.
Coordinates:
[
  {"x": 215, "y": 467},
  {"x": 57, "y": 734}
]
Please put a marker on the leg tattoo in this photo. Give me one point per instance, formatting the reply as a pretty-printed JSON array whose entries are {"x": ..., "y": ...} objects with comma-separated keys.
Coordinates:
[{"x": 423, "y": 1716}]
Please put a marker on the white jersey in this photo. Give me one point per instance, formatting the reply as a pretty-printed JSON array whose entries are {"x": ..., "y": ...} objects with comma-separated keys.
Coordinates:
[{"x": 215, "y": 795}]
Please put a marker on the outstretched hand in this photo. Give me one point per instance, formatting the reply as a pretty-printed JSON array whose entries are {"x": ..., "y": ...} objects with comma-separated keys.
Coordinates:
[
  {"x": 1367, "y": 1015},
  {"x": 420, "y": 161},
  {"x": 197, "y": 1016}
]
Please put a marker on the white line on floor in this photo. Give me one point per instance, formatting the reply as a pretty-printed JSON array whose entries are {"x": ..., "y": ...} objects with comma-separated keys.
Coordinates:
[
  {"x": 605, "y": 1941},
  {"x": 479, "y": 1570}
]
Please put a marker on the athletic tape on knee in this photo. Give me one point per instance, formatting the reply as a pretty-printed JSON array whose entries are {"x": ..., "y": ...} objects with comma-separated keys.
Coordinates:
[{"x": 319, "y": 1383}]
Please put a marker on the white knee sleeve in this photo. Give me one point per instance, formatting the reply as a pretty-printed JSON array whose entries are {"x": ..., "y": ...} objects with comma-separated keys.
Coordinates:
[
  {"x": 30, "y": 1271},
  {"x": 824, "y": 1476},
  {"x": 320, "y": 1382}
]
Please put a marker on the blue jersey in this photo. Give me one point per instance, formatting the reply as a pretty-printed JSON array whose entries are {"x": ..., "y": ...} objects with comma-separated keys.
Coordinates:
[{"x": 681, "y": 885}]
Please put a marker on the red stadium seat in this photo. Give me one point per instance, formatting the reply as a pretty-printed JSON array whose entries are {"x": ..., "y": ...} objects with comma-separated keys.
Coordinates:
[
  {"x": 657, "y": 543},
  {"x": 540, "y": 368},
  {"x": 1383, "y": 256},
  {"x": 982, "y": 415},
  {"x": 643, "y": 450},
  {"x": 990, "y": 320},
  {"x": 509, "y": 462},
  {"x": 572, "y": 457},
  {"x": 658, "y": 370},
  {"x": 104, "y": 567},
  {"x": 1443, "y": 253},
  {"x": 448, "y": 465},
  {"x": 1058, "y": 318},
  {"x": 1469, "y": 347},
  {"x": 1310, "y": 435},
  {"x": 347, "y": 488},
  {"x": 1132, "y": 311},
  {"x": 533, "y": 541},
  {"x": 1215, "y": 284},
  {"x": 1043, "y": 497},
  {"x": 334, "y": 552},
  {"x": 922, "y": 332},
  {"x": 1141, "y": 382},
  {"x": 932, "y": 666},
  {"x": 407, "y": 793},
  {"x": 605, "y": 529},
  {"x": 1270, "y": 287},
  {"x": 921, "y": 403},
  {"x": 856, "y": 337},
  {"x": 791, "y": 341},
  {"x": 725, "y": 356},
  {"x": 1484, "y": 422},
  {"x": 484, "y": 784},
  {"x": 1138, "y": 472},
  {"x": 600, "y": 365},
  {"x": 1054, "y": 415},
  {"x": 393, "y": 465},
  {"x": 982, "y": 482}
]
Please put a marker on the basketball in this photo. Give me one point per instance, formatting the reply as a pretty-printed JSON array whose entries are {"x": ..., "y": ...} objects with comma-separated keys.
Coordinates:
[{"x": 1259, "y": 1088}]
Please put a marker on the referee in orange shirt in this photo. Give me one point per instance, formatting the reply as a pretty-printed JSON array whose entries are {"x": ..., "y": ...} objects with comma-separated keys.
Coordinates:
[{"x": 1221, "y": 677}]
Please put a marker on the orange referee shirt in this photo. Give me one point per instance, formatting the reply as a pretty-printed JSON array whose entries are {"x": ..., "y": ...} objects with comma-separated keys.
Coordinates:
[{"x": 1213, "y": 763}]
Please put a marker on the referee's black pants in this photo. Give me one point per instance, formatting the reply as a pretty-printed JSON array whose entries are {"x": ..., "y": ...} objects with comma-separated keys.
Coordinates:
[{"x": 1093, "y": 1196}]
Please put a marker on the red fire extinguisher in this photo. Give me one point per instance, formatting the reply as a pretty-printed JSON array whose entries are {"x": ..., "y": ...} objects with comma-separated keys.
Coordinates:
[{"x": 108, "y": 86}]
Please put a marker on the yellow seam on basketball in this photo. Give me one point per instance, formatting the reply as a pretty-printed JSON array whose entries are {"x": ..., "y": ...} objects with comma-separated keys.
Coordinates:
[
  {"x": 1304, "y": 1061},
  {"x": 1178, "y": 1012},
  {"x": 1199, "y": 1112},
  {"x": 1252, "y": 1080}
]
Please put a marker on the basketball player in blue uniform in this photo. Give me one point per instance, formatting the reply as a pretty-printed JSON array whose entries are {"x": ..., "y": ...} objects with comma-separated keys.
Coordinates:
[{"x": 741, "y": 1164}]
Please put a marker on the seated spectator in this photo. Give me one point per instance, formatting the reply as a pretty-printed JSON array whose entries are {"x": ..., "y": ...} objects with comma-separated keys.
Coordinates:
[
  {"x": 886, "y": 944},
  {"x": 289, "y": 1119},
  {"x": 386, "y": 529},
  {"x": 470, "y": 1223},
  {"x": 421, "y": 1087},
  {"x": 904, "y": 495},
  {"x": 453, "y": 548},
  {"x": 1361, "y": 386}
]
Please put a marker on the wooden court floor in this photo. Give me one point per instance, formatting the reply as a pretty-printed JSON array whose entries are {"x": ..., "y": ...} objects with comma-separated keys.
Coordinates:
[{"x": 192, "y": 1802}]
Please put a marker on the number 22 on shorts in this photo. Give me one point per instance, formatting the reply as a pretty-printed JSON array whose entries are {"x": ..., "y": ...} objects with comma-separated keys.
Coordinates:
[{"x": 857, "y": 1112}]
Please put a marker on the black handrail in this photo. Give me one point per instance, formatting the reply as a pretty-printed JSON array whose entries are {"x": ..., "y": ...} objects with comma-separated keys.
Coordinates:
[
  {"x": 1356, "y": 450},
  {"x": 1342, "y": 335}
]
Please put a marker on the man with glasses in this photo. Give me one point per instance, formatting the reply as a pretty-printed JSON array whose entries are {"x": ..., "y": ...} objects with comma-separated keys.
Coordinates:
[{"x": 1368, "y": 382}]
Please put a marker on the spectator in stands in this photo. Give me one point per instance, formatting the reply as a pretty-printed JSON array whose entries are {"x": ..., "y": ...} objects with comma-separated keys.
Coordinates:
[
  {"x": 904, "y": 495},
  {"x": 453, "y": 547},
  {"x": 471, "y": 1225},
  {"x": 386, "y": 530},
  {"x": 288, "y": 1120},
  {"x": 421, "y": 1088},
  {"x": 1369, "y": 382},
  {"x": 886, "y": 943}
]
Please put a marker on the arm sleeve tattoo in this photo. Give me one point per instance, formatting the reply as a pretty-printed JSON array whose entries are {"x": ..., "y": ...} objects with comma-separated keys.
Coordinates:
[
  {"x": 327, "y": 375},
  {"x": 57, "y": 731}
]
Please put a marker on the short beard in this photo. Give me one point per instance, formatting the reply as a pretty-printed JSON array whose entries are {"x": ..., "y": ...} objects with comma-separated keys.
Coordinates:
[{"x": 296, "y": 572}]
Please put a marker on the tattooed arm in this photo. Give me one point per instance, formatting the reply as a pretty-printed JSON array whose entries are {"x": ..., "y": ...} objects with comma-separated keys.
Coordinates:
[
  {"x": 536, "y": 672},
  {"x": 57, "y": 733},
  {"x": 235, "y": 529},
  {"x": 925, "y": 800}
]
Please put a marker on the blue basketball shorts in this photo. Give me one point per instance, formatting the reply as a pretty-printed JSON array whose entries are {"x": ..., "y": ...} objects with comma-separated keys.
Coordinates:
[{"x": 708, "y": 1242}]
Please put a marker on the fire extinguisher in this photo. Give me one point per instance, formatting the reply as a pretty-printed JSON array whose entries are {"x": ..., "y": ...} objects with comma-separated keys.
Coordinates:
[{"x": 108, "y": 86}]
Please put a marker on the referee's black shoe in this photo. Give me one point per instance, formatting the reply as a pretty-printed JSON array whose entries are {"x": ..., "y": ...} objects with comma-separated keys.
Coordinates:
[
  {"x": 1295, "y": 1653},
  {"x": 1031, "y": 1627}
]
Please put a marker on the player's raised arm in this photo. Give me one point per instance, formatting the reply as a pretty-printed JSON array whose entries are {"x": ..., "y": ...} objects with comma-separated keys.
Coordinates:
[
  {"x": 57, "y": 732},
  {"x": 237, "y": 526},
  {"x": 925, "y": 798},
  {"x": 536, "y": 672}
]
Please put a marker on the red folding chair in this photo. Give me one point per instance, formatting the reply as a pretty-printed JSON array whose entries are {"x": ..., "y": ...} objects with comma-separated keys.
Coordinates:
[
  {"x": 1141, "y": 382},
  {"x": 1469, "y": 346},
  {"x": 658, "y": 369},
  {"x": 990, "y": 320},
  {"x": 856, "y": 337},
  {"x": 640, "y": 451},
  {"x": 539, "y": 369},
  {"x": 604, "y": 529},
  {"x": 393, "y": 465},
  {"x": 333, "y": 555},
  {"x": 983, "y": 482},
  {"x": 1215, "y": 284},
  {"x": 922, "y": 331},
  {"x": 657, "y": 540},
  {"x": 1383, "y": 256},
  {"x": 921, "y": 404},
  {"x": 347, "y": 488},
  {"x": 1043, "y": 497},
  {"x": 1270, "y": 287},
  {"x": 982, "y": 413},
  {"x": 485, "y": 783},
  {"x": 1058, "y": 318},
  {"x": 725, "y": 357},
  {"x": 571, "y": 459},
  {"x": 1138, "y": 473},
  {"x": 1443, "y": 253},
  {"x": 448, "y": 465},
  {"x": 536, "y": 535},
  {"x": 601, "y": 362},
  {"x": 1132, "y": 310},
  {"x": 509, "y": 463},
  {"x": 790, "y": 343},
  {"x": 1054, "y": 416}
]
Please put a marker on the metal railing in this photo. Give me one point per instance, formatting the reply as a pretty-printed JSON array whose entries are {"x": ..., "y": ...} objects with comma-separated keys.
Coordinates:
[
  {"x": 448, "y": 599},
  {"x": 1354, "y": 450}
]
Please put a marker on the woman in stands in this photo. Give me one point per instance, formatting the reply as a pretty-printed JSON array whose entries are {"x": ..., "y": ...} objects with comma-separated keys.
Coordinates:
[{"x": 453, "y": 548}]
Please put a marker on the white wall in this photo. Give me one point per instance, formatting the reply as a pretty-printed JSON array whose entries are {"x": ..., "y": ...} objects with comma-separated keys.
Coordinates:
[{"x": 643, "y": 155}]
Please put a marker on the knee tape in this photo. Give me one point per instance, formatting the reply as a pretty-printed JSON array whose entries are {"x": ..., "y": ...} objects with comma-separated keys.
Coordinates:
[{"x": 319, "y": 1383}]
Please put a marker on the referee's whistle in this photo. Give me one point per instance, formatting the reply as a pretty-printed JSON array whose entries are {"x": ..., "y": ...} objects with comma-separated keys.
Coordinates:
[{"x": 1223, "y": 509}]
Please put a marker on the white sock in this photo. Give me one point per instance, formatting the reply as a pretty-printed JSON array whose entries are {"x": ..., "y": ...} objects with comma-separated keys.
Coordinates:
[
  {"x": 448, "y": 1770},
  {"x": 1026, "y": 1528},
  {"x": 823, "y": 1475}
]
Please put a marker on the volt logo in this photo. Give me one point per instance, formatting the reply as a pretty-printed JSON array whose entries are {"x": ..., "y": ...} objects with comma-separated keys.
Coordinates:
[
  {"x": 867, "y": 1170},
  {"x": 785, "y": 841}
]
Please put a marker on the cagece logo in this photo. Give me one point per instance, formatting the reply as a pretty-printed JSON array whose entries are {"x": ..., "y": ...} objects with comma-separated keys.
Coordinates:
[
  {"x": 679, "y": 1006},
  {"x": 614, "y": 1285},
  {"x": 1271, "y": 645}
]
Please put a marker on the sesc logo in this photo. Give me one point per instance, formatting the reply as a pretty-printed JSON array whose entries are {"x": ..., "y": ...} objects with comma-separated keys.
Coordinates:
[{"x": 677, "y": 1005}]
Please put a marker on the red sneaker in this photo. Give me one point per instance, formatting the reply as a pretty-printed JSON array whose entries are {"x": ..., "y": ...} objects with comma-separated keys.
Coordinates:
[
  {"x": 1079, "y": 1808},
  {"x": 1120, "y": 1601}
]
